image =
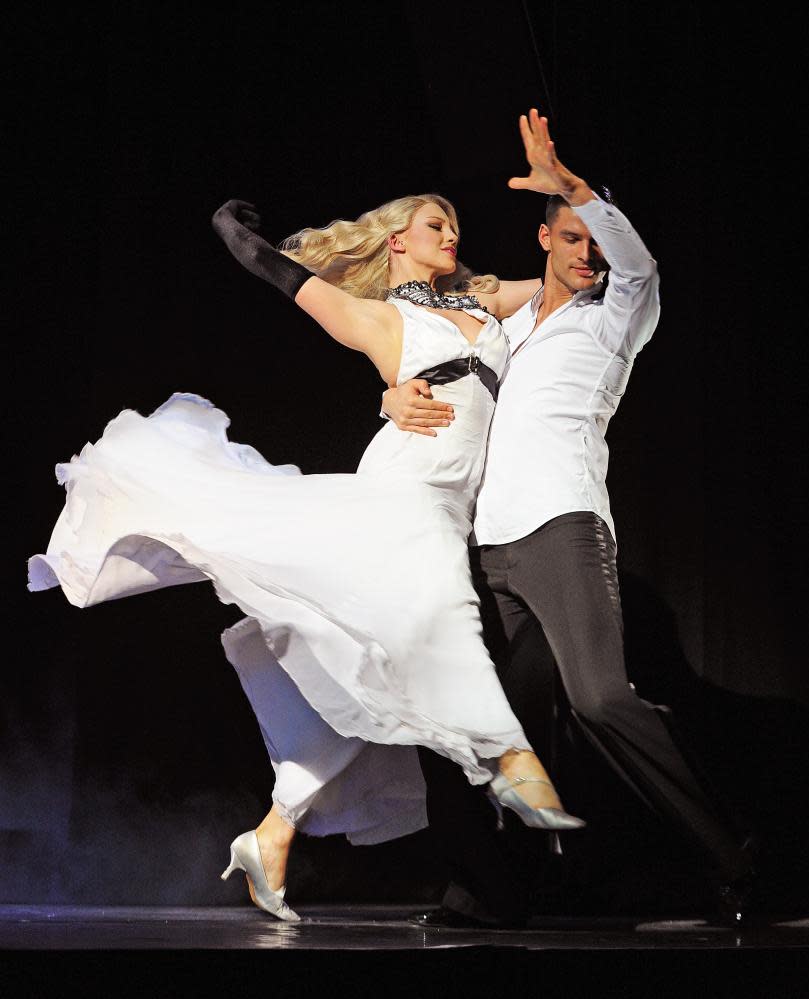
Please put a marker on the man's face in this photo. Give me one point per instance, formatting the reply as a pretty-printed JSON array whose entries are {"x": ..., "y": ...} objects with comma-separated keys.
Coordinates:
[{"x": 574, "y": 255}]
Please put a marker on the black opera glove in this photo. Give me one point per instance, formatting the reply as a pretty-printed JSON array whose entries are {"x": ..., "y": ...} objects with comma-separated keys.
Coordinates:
[{"x": 236, "y": 223}]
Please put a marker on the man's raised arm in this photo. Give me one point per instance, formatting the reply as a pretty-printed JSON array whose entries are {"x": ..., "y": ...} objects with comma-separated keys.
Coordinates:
[{"x": 631, "y": 303}]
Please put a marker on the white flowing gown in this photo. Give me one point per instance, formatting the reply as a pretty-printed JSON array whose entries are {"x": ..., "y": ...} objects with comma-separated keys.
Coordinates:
[{"x": 362, "y": 636}]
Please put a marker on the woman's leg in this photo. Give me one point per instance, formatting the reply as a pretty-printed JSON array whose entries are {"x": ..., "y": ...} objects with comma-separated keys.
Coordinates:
[
  {"x": 275, "y": 836},
  {"x": 306, "y": 753},
  {"x": 538, "y": 791}
]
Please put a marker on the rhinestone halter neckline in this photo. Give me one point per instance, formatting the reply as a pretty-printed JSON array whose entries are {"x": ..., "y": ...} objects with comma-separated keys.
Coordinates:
[{"x": 422, "y": 293}]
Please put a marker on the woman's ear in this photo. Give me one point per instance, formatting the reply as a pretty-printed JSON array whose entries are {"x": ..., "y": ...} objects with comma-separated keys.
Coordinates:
[{"x": 396, "y": 243}]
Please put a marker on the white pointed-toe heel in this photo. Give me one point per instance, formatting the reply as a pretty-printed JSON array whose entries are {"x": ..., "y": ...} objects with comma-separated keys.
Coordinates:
[
  {"x": 245, "y": 855},
  {"x": 502, "y": 794}
]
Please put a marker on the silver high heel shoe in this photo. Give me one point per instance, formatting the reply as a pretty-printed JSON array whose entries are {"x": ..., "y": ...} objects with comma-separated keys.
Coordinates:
[
  {"x": 502, "y": 794},
  {"x": 245, "y": 855}
]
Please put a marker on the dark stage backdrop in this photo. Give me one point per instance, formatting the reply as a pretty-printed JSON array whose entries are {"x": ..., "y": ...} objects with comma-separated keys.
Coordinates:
[{"x": 130, "y": 757}]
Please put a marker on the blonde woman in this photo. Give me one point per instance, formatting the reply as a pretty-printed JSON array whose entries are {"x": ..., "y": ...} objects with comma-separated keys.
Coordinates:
[{"x": 347, "y": 665}]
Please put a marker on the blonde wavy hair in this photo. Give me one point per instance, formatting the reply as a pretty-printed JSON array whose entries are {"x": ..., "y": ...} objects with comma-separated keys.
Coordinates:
[{"x": 355, "y": 255}]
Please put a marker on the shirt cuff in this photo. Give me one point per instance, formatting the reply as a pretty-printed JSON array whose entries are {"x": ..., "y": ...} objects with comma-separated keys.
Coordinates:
[{"x": 593, "y": 209}]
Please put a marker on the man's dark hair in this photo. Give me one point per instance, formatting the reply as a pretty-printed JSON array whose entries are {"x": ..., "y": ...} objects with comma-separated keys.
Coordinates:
[{"x": 555, "y": 202}]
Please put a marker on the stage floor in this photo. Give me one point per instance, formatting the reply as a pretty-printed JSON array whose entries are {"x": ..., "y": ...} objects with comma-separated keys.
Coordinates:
[
  {"x": 361, "y": 928},
  {"x": 372, "y": 952}
]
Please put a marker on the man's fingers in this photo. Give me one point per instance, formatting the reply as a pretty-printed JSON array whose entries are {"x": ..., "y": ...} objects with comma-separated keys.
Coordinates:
[
  {"x": 538, "y": 124},
  {"x": 422, "y": 387},
  {"x": 413, "y": 429},
  {"x": 426, "y": 417},
  {"x": 420, "y": 423},
  {"x": 419, "y": 406},
  {"x": 519, "y": 183},
  {"x": 540, "y": 129},
  {"x": 432, "y": 406},
  {"x": 428, "y": 421}
]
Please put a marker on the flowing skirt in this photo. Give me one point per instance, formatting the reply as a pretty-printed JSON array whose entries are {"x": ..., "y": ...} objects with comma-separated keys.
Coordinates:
[{"x": 361, "y": 638}]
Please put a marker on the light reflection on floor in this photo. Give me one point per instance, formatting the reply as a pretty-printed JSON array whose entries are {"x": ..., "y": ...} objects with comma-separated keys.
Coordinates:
[{"x": 363, "y": 928}]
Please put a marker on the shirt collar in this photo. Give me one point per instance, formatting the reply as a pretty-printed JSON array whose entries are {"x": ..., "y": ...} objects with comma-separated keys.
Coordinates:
[{"x": 536, "y": 301}]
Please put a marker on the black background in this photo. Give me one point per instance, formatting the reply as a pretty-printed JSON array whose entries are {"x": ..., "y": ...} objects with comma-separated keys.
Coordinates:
[{"x": 130, "y": 757}]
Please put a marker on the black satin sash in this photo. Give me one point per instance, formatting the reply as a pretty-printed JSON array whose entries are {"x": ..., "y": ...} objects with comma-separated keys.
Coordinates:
[{"x": 451, "y": 371}]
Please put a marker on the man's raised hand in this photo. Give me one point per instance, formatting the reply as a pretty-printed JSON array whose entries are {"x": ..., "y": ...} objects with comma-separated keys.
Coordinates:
[{"x": 548, "y": 175}]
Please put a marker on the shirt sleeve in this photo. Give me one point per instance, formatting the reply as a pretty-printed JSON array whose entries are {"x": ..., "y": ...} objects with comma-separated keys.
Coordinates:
[{"x": 631, "y": 305}]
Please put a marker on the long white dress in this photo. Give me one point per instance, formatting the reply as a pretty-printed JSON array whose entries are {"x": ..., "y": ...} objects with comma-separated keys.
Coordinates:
[{"x": 362, "y": 637}]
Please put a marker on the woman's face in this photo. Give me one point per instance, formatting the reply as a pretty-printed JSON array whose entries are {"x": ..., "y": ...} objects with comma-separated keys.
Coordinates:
[{"x": 430, "y": 242}]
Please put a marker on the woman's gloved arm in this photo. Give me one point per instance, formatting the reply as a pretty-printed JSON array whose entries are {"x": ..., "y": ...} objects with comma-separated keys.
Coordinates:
[{"x": 236, "y": 223}]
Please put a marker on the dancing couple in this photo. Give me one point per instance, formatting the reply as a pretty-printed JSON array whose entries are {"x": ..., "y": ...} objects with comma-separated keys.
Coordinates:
[{"x": 352, "y": 656}]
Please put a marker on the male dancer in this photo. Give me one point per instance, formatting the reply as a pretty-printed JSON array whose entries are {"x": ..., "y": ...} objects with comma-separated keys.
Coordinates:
[{"x": 543, "y": 542}]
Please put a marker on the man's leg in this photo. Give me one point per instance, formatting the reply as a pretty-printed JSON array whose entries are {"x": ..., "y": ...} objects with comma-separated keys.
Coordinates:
[
  {"x": 463, "y": 826},
  {"x": 528, "y": 674},
  {"x": 565, "y": 572},
  {"x": 520, "y": 651},
  {"x": 488, "y": 869}
]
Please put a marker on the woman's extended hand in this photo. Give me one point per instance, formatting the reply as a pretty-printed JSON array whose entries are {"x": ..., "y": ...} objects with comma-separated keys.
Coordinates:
[
  {"x": 412, "y": 408},
  {"x": 233, "y": 212},
  {"x": 548, "y": 175}
]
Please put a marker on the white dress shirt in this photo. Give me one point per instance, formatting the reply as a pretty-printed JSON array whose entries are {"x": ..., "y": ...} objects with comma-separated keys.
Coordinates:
[{"x": 547, "y": 454}]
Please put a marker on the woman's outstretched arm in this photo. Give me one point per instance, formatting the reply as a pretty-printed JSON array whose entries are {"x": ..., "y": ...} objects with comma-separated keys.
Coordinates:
[
  {"x": 510, "y": 296},
  {"x": 375, "y": 328}
]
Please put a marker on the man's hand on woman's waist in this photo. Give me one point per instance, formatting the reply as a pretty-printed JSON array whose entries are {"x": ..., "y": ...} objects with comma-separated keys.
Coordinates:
[{"x": 412, "y": 408}]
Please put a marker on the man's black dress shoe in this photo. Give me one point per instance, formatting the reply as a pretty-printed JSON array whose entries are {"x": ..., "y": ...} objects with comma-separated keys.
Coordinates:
[
  {"x": 450, "y": 919},
  {"x": 736, "y": 902}
]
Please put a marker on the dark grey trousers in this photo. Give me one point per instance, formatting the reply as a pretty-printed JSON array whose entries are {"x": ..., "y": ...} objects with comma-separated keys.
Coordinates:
[{"x": 564, "y": 576}]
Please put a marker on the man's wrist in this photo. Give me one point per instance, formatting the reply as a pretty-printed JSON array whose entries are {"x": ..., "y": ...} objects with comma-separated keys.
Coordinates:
[
  {"x": 382, "y": 414},
  {"x": 577, "y": 192}
]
